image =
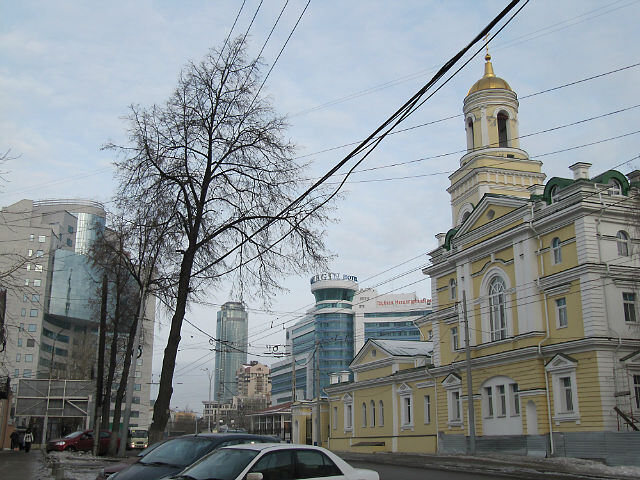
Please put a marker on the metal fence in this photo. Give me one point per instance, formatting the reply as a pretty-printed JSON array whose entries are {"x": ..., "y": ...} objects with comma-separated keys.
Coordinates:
[{"x": 612, "y": 448}]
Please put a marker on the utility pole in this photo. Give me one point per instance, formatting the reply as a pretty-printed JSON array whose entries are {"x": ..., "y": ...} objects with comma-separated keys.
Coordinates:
[
  {"x": 293, "y": 376},
  {"x": 210, "y": 375},
  {"x": 100, "y": 373},
  {"x": 467, "y": 348},
  {"x": 317, "y": 375}
]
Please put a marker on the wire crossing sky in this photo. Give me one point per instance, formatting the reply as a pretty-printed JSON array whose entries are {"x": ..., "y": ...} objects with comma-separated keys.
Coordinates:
[{"x": 71, "y": 69}]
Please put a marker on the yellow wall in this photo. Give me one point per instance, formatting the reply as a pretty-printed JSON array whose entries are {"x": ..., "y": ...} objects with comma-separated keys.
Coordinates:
[
  {"x": 575, "y": 326},
  {"x": 374, "y": 373},
  {"x": 569, "y": 251},
  {"x": 499, "y": 211}
]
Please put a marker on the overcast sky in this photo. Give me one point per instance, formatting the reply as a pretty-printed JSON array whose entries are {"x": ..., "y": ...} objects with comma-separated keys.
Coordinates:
[{"x": 70, "y": 69}]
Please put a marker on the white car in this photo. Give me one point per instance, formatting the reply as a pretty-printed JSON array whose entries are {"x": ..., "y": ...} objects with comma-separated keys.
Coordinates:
[{"x": 273, "y": 461}]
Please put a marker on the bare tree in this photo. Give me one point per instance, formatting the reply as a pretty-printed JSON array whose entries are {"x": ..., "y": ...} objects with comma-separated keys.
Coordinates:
[{"x": 215, "y": 153}]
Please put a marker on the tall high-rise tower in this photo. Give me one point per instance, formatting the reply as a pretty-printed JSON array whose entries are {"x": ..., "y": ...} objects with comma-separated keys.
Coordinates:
[{"x": 231, "y": 350}]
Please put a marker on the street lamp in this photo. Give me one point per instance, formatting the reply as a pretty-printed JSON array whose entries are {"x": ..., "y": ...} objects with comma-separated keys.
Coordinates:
[{"x": 210, "y": 375}]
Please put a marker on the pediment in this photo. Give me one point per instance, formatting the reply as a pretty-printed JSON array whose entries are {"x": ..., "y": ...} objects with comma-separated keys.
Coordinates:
[
  {"x": 404, "y": 388},
  {"x": 347, "y": 398},
  {"x": 561, "y": 362},
  {"x": 370, "y": 352},
  {"x": 490, "y": 208},
  {"x": 452, "y": 380}
]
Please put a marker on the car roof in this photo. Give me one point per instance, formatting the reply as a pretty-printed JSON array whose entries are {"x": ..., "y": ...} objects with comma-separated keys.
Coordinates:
[
  {"x": 224, "y": 435},
  {"x": 274, "y": 446}
]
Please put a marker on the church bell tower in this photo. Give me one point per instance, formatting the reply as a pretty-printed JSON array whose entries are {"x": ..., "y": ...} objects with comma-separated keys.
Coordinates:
[{"x": 494, "y": 162}]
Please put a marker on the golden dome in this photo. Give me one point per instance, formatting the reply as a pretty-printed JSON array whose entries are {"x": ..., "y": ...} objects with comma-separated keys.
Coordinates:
[{"x": 489, "y": 80}]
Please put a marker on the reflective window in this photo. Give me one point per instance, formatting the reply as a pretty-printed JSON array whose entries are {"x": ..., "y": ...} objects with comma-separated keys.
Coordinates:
[
  {"x": 314, "y": 464},
  {"x": 622, "y": 239},
  {"x": 556, "y": 249},
  {"x": 497, "y": 309}
]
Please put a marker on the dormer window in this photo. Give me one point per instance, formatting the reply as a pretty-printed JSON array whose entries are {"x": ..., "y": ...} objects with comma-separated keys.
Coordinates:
[
  {"x": 614, "y": 187},
  {"x": 502, "y": 129}
]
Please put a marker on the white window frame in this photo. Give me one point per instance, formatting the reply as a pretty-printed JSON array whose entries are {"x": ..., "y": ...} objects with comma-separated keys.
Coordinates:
[
  {"x": 372, "y": 418},
  {"x": 381, "y": 412},
  {"x": 562, "y": 315},
  {"x": 487, "y": 400},
  {"x": 334, "y": 418},
  {"x": 556, "y": 251},
  {"x": 514, "y": 399},
  {"x": 622, "y": 241},
  {"x": 364, "y": 414},
  {"x": 455, "y": 338},
  {"x": 561, "y": 367},
  {"x": 630, "y": 307},
  {"x": 501, "y": 397},
  {"x": 452, "y": 289},
  {"x": 406, "y": 407},
  {"x": 427, "y": 409},
  {"x": 498, "y": 323},
  {"x": 348, "y": 413}
]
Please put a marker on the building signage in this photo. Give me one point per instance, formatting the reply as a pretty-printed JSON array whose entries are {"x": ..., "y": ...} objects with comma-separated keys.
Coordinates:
[
  {"x": 333, "y": 276},
  {"x": 414, "y": 301}
]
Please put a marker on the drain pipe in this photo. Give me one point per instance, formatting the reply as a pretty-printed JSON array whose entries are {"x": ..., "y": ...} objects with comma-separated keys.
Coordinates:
[
  {"x": 548, "y": 332},
  {"x": 435, "y": 394}
]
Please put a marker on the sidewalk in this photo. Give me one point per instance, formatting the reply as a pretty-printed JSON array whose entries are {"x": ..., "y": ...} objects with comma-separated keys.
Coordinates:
[
  {"x": 19, "y": 465},
  {"x": 513, "y": 466}
]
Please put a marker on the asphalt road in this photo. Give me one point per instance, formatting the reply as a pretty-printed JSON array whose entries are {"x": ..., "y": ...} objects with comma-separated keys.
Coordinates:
[{"x": 393, "y": 472}]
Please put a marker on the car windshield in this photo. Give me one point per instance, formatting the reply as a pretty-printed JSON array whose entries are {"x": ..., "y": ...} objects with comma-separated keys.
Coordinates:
[
  {"x": 139, "y": 434},
  {"x": 74, "y": 434},
  {"x": 223, "y": 464},
  {"x": 179, "y": 452}
]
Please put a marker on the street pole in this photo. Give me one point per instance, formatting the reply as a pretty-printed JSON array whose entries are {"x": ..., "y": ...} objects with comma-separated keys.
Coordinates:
[
  {"x": 293, "y": 376},
  {"x": 470, "y": 406},
  {"x": 317, "y": 375},
  {"x": 210, "y": 375}
]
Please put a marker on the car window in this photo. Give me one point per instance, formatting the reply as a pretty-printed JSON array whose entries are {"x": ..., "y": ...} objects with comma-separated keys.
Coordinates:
[
  {"x": 105, "y": 434},
  {"x": 223, "y": 464},
  {"x": 312, "y": 464},
  {"x": 74, "y": 434},
  {"x": 179, "y": 451},
  {"x": 276, "y": 465}
]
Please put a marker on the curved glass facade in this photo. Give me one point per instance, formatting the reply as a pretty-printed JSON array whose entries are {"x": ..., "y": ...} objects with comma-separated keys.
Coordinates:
[
  {"x": 232, "y": 332},
  {"x": 323, "y": 294}
]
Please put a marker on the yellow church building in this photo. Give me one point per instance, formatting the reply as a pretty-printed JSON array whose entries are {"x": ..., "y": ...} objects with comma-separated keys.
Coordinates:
[{"x": 551, "y": 277}]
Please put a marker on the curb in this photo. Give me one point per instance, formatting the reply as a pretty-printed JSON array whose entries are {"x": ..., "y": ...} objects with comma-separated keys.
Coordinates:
[{"x": 484, "y": 465}]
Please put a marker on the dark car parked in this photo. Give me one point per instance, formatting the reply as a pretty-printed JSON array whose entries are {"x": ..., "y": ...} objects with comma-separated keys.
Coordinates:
[
  {"x": 175, "y": 454},
  {"x": 109, "y": 470},
  {"x": 80, "y": 441}
]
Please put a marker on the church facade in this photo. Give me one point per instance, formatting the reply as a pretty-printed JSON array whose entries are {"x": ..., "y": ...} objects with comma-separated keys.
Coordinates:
[{"x": 543, "y": 277}]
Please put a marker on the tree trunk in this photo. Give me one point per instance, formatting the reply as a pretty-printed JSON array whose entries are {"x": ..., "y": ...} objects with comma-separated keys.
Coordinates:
[
  {"x": 117, "y": 409},
  {"x": 161, "y": 407},
  {"x": 106, "y": 403},
  {"x": 100, "y": 373}
]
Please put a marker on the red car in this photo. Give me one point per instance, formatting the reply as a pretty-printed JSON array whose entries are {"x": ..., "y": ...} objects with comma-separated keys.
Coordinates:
[{"x": 80, "y": 441}]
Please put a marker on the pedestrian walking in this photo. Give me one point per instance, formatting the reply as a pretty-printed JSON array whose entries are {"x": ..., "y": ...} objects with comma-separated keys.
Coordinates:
[
  {"x": 15, "y": 437},
  {"x": 28, "y": 439}
]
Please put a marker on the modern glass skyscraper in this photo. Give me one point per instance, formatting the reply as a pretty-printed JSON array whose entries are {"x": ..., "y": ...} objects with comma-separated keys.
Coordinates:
[{"x": 232, "y": 330}]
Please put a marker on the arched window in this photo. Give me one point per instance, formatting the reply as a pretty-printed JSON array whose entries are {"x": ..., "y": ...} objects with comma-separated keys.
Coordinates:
[
  {"x": 373, "y": 413},
  {"x": 497, "y": 308},
  {"x": 470, "y": 135},
  {"x": 381, "y": 412},
  {"x": 623, "y": 243},
  {"x": 556, "y": 248},
  {"x": 364, "y": 414},
  {"x": 553, "y": 194},
  {"x": 615, "y": 188},
  {"x": 502, "y": 129},
  {"x": 452, "y": 288}
]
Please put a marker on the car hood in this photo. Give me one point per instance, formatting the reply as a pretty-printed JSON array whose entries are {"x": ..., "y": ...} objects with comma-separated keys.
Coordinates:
[
  {"x": 365, "y": 474},
  {"x": 140, "y": 471}
]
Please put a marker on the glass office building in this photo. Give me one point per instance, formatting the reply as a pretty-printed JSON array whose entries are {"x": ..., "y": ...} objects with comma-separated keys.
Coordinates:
[{"x": 232, "y": 331}]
